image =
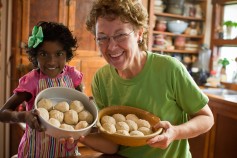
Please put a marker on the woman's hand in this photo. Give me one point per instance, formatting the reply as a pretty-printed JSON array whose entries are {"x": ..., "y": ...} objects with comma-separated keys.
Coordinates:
[
  {"x": 32, "y": 119},
  {"x": 70, "y": 140},
  {"x": 163, "y": 140}
]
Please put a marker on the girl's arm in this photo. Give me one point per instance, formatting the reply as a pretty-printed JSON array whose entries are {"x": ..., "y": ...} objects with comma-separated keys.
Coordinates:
[{"x": 9, "y": 115}]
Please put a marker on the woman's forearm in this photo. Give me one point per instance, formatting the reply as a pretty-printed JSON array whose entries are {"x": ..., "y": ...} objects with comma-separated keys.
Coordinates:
[
  {"x": 198, "y": 124},
  {"x": 99, "y": 143}
]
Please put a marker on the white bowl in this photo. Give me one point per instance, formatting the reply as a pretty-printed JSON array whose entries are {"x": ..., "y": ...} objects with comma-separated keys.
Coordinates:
[
  {"x": 177, "y": 26},
  {"x": 57, "y": 94}
]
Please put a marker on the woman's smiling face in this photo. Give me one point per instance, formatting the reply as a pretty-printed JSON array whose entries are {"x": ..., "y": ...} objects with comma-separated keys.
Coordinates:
[
  {"x": 51, "y": 58},
  {"x": 117, "y": 42}
]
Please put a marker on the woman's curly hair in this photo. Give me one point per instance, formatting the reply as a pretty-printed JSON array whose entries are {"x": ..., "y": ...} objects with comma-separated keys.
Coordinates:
[
  {"x": 131, "y": 11},
  {"x": 53, "y": 31}
]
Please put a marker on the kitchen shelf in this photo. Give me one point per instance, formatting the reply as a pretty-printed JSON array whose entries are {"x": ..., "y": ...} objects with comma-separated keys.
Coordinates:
[
  {"x": 181, "y": 17},
  {"x": 175, "y": 35},
  {"x": 223, "y": 42},
  {"x": 175, "y": 51}
]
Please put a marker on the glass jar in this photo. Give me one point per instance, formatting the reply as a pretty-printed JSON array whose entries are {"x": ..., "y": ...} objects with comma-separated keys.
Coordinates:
[{"x": 160, "y": 26}]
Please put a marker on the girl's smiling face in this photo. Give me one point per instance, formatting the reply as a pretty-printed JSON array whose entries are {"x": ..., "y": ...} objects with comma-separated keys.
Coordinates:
[{"x": 51, "y": 58}]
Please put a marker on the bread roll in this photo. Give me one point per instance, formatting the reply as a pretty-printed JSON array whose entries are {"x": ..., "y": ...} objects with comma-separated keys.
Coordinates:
[
  {"x": 136, "y": 133},
  {"x": 132, "y": 125},
  {"x": 71, "y": 117},
  {"x": 67, "y": 127},
  {"x": 57, "y": 115},
  {"x": 119, "y": 117},
  {"x": 45, "y": 103},
  {"x": 110, "y": 128},
  {"x": 43, "y": 113},
  {"x": 145, "y": 130},
  {"x": 62, "y": 106},
  {"x": 132, "y": 117},
  {"x": 143, "y": 123},
  {"x": 81, "y": 124},
  {"x": 77, "y": 106},
  {"x": 108, "y": 119},
  {"x": 85, "y": 116},
  {"x": 122, "y": 132},
  {"x": 122, "y": 126},
  {"x": 54, "y": 122}
]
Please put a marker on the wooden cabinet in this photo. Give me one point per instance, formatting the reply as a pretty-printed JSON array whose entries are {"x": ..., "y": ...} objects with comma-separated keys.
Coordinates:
[
  {"x": 163, "y": 41},
  {"x": 223, "y": 135},
  {"x": 88, "y": 63},
  {"x": 220, "y": 141}
]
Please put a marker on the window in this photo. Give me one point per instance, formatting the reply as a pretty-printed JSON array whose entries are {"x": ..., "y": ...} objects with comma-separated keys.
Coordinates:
[
  {"x": 229, "y": 16},
  {"x": 226, "y": 47}
]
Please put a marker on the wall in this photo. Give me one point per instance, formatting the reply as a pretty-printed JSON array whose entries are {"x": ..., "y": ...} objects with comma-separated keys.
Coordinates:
[{"x": 4, "y": 71}]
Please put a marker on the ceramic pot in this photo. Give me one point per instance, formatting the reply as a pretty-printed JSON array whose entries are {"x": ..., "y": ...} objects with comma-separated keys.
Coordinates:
[
  {"x": 160, "y": 26},
  {"x": 179, "y": 42}
]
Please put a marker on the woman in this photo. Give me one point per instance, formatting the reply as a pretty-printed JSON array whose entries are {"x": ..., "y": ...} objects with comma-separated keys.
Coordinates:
[{"x": 136, "y": 77}]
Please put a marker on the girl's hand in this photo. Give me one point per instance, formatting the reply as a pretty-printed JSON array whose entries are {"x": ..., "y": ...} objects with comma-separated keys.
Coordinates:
[
  {"x": 162, "y": 141},
  {"x": 32, "y": 119}
]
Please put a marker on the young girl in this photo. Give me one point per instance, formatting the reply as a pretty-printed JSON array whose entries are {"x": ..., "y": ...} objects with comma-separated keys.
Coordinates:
[{"x": 50, "y": 46}]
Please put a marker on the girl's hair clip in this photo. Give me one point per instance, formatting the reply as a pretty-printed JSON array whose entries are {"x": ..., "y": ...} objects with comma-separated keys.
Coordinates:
[{"x": 36, "y": 38}]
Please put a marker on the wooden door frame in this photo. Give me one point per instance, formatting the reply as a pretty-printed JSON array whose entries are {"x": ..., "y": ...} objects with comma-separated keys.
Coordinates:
[{"x": 5, "y": 71}]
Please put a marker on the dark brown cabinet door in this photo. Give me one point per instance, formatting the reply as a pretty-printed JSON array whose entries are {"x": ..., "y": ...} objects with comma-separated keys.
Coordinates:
[{"x": 78, "y": 11}]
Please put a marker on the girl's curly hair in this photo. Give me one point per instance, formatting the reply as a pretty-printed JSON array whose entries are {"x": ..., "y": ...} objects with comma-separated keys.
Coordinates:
[
  {"x": 131, "y": 11},
  {"x": 53, "y": 31}
]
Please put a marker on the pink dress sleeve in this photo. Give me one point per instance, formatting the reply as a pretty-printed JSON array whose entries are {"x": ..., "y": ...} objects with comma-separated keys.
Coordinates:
[
  {"x": 28, "y": 83},
  {"x": 75, "y": 75}
]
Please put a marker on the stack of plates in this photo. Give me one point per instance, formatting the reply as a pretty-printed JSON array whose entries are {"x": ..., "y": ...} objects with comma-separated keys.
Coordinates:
[
  {"x": 192, "y": 46},
  {"x": 158, "y": 6}
]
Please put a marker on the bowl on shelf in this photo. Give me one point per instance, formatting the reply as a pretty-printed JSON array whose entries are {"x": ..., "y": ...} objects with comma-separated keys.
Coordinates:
[
  {"x": 177, "y": 26},
  {"x": 60, "y": 94},
  {"x": 128, "y": 140}
]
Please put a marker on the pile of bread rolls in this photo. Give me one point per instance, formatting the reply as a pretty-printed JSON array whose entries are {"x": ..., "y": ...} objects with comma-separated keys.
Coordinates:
[
  {"x": 128, "y": 125},
  {"x": 69, "y": 116}
]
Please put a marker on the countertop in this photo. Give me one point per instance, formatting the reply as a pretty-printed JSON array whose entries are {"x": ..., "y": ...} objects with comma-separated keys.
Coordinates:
[
  {"x": 218, "y": 96},
  {"x": 227, "y": 99}
]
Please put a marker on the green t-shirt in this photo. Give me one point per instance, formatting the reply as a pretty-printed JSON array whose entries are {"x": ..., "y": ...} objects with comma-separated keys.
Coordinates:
[{"x": 164, "y": 88}]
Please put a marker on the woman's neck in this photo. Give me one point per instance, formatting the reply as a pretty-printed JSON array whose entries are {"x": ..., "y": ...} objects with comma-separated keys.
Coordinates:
[{"x": 135, "y": 68}]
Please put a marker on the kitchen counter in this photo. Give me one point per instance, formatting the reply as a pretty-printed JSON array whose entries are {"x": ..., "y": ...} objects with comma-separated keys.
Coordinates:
[
  {"x": 221, "y": 95},
  {"x": 229, "y": 99}
]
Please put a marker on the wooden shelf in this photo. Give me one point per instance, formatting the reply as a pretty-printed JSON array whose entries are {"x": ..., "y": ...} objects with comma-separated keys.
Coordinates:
[
  {"x": 179, "y": 16},
  {"x": 175, "y": 51},
  {"x": 173, "y": 34},
  {"x": 223, "y": 42}
]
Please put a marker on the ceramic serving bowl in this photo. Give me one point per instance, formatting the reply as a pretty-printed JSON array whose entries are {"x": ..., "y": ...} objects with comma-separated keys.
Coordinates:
[
  {"x": 123, "y": 139},
  {"x": 57, "y": 94},
  {"x": 177, "y": 26}
]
